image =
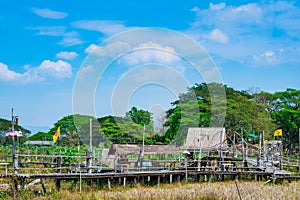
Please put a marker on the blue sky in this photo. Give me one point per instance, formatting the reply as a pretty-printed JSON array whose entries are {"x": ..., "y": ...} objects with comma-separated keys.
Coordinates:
[{"x": 254, "y": 44}]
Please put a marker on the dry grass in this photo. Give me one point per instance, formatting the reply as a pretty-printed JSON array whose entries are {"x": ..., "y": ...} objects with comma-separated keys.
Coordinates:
[{"x": 218, "y": 190}]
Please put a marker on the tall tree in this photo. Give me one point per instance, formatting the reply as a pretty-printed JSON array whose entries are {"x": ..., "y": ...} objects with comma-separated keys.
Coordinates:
[
  {"x": 286, "y": 113},
  {"x": 139, "y": 116},
  {"x": 238, "y": 109}
]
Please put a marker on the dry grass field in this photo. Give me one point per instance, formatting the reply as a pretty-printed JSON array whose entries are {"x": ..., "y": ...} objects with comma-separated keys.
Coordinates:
[{"x": 217, "y": 190}]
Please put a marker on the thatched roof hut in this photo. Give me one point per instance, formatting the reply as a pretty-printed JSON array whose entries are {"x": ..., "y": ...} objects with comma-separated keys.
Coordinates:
[
  {"x": 210, "y": 138},
  {"x": 39, "y": 143},
  {"x": 126, "y": 149}
]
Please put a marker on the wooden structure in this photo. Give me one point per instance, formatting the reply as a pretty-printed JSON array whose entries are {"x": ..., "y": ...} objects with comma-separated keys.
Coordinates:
[
  {"x": 205, "y": 139},
  {"x": 227, "y": 169},
  {"x": 123, "y": 150},
  {"x": 39, "y": 143}
]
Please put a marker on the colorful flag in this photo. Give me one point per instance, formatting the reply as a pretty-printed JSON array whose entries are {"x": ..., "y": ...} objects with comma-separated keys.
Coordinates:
[
  {"x": 57, "y": 133},
  {"x": 278, "y": 132}
]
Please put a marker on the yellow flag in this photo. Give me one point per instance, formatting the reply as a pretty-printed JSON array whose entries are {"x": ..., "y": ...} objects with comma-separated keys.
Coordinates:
[
  {"x": 278, "y": 132},
  {"x": 57, "y": 133}
]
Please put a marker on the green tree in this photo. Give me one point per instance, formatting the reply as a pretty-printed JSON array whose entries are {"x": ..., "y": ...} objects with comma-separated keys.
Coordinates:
[
  {"x": 42, "y": 136},
  {"x": 75, "y": 129},
  {"x": 286, "y": 113},
  {"x": 140, "y": 117},
  {"x": 239, "y": 110},
  {"x": 6, "y": 126},
  {"x": 122, "y": 130}
]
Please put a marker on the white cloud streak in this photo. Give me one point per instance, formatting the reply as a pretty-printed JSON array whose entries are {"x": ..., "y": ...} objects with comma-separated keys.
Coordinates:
[
  {"x": 106, "y": 27},
  {"x": 69, "y": 38},
  {"x": 67, "y": 55},
  {"x": 47, "y": 13},
  {"x": 219, "y": 6}
]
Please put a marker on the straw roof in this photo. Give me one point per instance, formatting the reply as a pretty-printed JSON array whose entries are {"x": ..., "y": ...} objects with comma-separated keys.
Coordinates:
[
  {"x": 211, "y": 139},
  {"x": 42, "y": 143},
  {"x": 125, "y": 149}
]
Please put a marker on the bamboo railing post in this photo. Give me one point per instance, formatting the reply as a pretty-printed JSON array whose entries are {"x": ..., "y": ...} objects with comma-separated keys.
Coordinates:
[{"x": 57, "y": 181}]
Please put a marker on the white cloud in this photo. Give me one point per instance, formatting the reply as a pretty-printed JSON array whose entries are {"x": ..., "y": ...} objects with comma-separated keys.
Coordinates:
[
  {"x": 266, "y": 58},
  {"x": 219, "y": 6},
  {"x": 66, "y": 55},
  {"x": 148, "y": 52},
  {"x": 86, "y": 70},
  {"x": 104, "y": 26},
  {"x": 8, "y": 75},
  {"x": 250, "y": 30},
  {"x": 70, "y": 41},
  {"x": 69, "y": 38},
  {"x": 111, "y": 50},
  {"x": 59, "y": 69},
  {"x": 218, "y": 36},
  {"x": 195, "y": 9},
  {"x": 90, "y": 48},
  {"x": 47, "y": 13},
  {"x": 151, "y": 52},
  {"x": 47, "y": 69},
  {"x": 50, "y": 30}
]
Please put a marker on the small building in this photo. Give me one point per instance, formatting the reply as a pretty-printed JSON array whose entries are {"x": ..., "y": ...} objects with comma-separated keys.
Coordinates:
[
  {"x": 123, "y": 150},
  {"x": 128, "y": 156},
  {"x": 39, "y": 143},
  {"x": 207, "y": 139}
]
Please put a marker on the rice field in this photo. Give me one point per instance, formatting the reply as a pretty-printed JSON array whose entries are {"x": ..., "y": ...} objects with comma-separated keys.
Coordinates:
[{"x": 189, "y": 191}]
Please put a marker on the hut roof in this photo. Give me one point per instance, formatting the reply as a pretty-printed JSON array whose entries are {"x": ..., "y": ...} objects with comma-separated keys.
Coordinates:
[
  {"x": 37, "y": 142},
  {"x": 211, "y": 138},
  {"x": 125, "y": 149}
]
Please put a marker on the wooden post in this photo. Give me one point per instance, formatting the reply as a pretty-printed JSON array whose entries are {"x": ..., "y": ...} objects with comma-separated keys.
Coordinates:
[
  {"x": 209, "y": 178},
  {"x": 178, "y": 178},
  {"x": 58, "y": 161},
  {"x": 108, "y": 183},
  {"x": 43, "y": 186},
  {"x": 89, "y": 161},
  {"x": 124, "y": 181},
  {"x": 195, "y": 178},
  {"x": 259, "y": 152},
  {"x": 158, "y": 180},
  {"x": 57, "y": 181},
  {"x": 171, "y": 178},
  {"x": 76, "y": 184},
  {"x": 15, "y": 164},
  {"x": 22, "y": 183}
]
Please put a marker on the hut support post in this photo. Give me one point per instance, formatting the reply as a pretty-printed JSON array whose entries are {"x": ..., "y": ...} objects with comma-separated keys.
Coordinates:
[
  {"x": 178, "y": 178},
  {"x": 43, "y": 186},
  {"x": 57, "y": 181},
  {"x": 89, "y": 161},
  {"x": 108, "y": 183}
]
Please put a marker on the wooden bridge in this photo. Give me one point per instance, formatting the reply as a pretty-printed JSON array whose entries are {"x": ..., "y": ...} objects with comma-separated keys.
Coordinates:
[{"x": 27, "y": 171}]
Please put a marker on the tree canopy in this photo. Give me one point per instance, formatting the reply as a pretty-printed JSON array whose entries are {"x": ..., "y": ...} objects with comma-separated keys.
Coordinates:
[{"x": 201, "y": 105}]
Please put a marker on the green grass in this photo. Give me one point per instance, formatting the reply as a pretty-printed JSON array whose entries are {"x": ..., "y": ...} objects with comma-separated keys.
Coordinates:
[{"x": 186, "y": 191}]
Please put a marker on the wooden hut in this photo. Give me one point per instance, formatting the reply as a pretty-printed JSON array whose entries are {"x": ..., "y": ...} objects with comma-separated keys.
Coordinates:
[
  {"x": 207, "y": 139},
  {"x": 123, "y": 150}
]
